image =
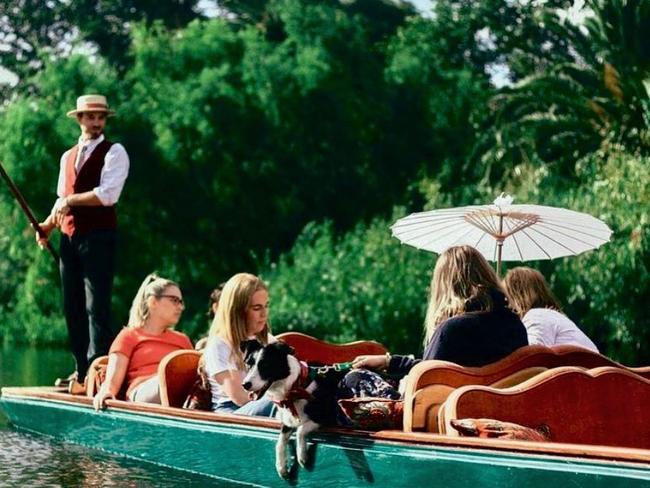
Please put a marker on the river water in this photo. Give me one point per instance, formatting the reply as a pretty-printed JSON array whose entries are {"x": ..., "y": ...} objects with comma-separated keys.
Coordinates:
[{"x": 32, "y": 460}]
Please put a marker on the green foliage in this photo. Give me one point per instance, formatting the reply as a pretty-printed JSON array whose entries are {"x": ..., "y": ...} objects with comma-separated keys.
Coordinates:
[
  {"x": 243, "y": 129},
  {"x": 594, "y": 95},
  {"x": 315, "y": 104},
  {"x": 236, "y": 141},
  {"x": 38, "y": 293},
  {"x": 608, "y": 290},
  {"x": 362, "y": 285},
  {"x": 376, "y": 288},
  {"x": 34, "y": 33}
]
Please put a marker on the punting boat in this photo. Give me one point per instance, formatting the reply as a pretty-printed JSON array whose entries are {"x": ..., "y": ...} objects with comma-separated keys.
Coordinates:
[{"x": 595, "y": 406}]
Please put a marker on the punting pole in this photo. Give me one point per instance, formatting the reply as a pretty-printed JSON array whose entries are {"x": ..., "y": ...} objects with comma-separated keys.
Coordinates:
[{"x": 23, "y": 204}]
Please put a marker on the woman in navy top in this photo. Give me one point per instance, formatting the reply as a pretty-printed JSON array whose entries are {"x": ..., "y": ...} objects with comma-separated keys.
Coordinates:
[{"x": 468, "y": 321}]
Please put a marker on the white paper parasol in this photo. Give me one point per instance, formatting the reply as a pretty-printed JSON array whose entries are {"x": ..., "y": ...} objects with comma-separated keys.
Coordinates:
[{"x": 504, "y": 232}]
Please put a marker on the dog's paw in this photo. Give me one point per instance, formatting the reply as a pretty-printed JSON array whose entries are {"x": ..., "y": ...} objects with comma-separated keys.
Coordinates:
[
  {"x": 282, "y": 470},
  {"x": 311, "y": 457},
  {"x": 303, "y": 458}
]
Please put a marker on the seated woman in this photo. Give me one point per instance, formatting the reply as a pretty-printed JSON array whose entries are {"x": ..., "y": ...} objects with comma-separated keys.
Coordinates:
[
  {"x": 532, "y": 299},
  {"x": 213, "y": 305},
  {"x": 242, "y": 315},
  {"x": 140, "y": 346},
  {"x": 468, "y": 321}
]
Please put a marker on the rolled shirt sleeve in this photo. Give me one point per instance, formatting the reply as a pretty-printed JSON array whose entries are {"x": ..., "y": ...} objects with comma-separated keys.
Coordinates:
[
  {"x": 113, "y": 176},
  {"x": 60, "y": 185}
]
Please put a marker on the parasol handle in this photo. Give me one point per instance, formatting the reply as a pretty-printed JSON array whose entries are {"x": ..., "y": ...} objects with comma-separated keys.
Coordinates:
[
  {"x": 500, "y": 244},
  {"x": 499, "y": 250}
]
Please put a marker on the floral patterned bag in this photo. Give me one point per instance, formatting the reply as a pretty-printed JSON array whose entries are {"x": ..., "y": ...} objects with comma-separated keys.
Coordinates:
[{"x": 372, "y": 413}]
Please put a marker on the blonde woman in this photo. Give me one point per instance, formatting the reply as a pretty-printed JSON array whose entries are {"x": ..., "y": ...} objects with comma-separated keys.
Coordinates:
[
  {"x": 467, "y": 322},
  {"x": 140, "y": 346},
  {"x": 530, "y": 296},
  {"x": 242, "y": 315}
]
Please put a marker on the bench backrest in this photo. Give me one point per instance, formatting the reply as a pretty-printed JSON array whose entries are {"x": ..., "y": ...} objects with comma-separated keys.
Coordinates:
[
  {"x": 429, "y": 383},
  {"x": 177, "y": 373},
  {"x": 603, "y": 406},
  {"x": 96, "y": 375},
  {"x": 425, "y": 402},
  {"x": 317, "y": 352},
  {"x": 178, "y": 370}
]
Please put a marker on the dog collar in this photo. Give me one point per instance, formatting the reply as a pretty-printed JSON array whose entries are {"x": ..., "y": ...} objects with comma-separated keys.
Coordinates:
[
  {"x": 298, "y": 391},
  {"x": 305, "y": 375}
]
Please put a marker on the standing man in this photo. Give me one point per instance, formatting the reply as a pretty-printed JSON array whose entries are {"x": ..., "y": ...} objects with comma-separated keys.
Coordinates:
[{"x": 91, "y": 177}]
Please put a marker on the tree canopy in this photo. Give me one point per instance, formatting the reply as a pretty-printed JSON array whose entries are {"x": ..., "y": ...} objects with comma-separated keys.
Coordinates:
[{"x": 284, "y": 136}]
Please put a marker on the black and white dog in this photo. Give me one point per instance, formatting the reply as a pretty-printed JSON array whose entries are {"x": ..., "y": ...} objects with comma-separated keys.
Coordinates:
[{"x": 306, "y": 395}]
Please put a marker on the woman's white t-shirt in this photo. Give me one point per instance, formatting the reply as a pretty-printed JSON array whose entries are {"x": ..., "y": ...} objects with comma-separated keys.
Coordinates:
[
  {"x": 218, "y": 358},
  {"x": 548, "y": 327}
]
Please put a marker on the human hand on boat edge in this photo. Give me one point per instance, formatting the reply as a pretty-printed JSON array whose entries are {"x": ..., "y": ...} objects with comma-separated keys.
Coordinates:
[
  {"x": 375, "y": 361},
  {"x": 99, "y": 401}
]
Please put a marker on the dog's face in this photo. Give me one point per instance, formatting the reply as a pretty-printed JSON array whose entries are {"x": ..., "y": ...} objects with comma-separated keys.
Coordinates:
[{"x": 267, "y": 364}]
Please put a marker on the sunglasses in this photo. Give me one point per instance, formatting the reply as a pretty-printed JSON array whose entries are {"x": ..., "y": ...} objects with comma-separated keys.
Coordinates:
[{"x": 175, "y": 300}]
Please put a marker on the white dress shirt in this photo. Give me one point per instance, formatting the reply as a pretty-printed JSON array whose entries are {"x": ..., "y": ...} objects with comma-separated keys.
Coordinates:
[
  {"x": 548, "y": 327},
  {"x": 113, "y": 175}
]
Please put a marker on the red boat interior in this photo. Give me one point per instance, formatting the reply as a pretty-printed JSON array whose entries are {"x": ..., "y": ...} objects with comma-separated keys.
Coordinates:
[{"x": 589, "y": 405}]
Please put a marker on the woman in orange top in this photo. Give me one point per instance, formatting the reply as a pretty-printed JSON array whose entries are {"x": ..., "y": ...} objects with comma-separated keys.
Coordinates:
[{"x": 138, "y": 349}]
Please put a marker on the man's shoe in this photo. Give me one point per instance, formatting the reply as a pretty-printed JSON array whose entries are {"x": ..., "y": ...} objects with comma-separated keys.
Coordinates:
[
  {"x": 76, "y": 388},
  {"x": 64, "y": 382}
]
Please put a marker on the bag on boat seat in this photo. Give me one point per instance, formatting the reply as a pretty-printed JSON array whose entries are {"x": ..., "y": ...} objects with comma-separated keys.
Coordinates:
[
  {"x": 490, "y": 428},
  {"x": 199, "y": 396},
  {"x": 372, "y": 413},
  {"x": 96, "y": 375}
]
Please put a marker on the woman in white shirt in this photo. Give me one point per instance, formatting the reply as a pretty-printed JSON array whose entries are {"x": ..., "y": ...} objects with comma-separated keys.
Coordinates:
[
  {"x": 242, "y": 315},
  {"x": 531, "y": 298}
]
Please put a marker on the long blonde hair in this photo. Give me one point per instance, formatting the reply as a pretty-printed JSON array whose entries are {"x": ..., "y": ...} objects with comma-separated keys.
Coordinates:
[
  {"x": 230, "y": 320},
  {"x": 526, "y": 288},
  {"x": 462, "y": 280},
  {"x": 152, "y": 286}
]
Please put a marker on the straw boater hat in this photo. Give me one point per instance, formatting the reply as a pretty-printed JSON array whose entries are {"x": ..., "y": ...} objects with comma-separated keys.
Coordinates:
[{"x": 91, "y": 103}]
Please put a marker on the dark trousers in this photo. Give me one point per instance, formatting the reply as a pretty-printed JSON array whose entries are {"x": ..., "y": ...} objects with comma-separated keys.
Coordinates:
[{"x": 87, "y": 267}]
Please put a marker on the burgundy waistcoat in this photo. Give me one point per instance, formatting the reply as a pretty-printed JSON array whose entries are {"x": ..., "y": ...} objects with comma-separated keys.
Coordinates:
[{"x": 81, "y": 220}]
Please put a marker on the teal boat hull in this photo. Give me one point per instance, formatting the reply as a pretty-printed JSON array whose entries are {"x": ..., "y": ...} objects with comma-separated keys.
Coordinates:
[{"x": 244, "y": 453}]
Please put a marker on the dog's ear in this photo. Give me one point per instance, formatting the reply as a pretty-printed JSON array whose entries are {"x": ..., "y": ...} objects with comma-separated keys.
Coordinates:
[
  {"x": 249, "y": 347},
  {"x": 286, "y": 348}
]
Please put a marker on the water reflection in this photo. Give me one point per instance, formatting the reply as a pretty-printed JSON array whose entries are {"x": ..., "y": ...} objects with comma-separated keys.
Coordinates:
[
  {"x": 33, "y": 460},
  {"x": 28, "y": 366}
]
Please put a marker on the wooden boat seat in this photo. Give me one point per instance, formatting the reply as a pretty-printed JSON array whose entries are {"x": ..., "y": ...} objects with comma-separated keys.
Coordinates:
[
  {"x": 603, "y": 406},
  {"x": 95, "y": 376},
  {"x": 317, "y": 352},
  {"x": 421, "y": 402},
  {"x": 427, "y": 401},
  {"x": 177, "y": 372}
]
